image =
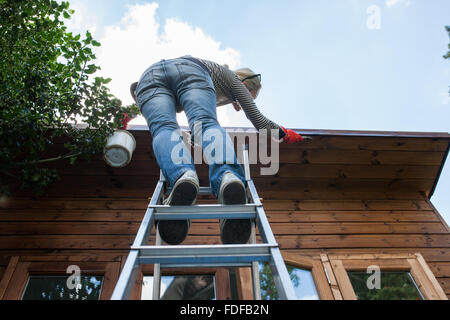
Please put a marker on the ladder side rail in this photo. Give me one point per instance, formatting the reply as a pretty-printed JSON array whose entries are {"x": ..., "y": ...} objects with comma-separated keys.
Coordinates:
[
  {"x": 279, "y": 271},
  {"x": 148, "y": 221},
  {"x": 255, "y": 268},
  {"x": 264, "y": 228},
  {"x": 129, "y": 273},
  {"x": 128, "y": 276},
  {"x": 157, "y": 271},
  {"x": 281, "y": 276}
]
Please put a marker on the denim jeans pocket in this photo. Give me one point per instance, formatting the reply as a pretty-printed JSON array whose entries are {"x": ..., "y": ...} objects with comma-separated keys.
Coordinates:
[
  {"x": 146, "y": 88},
  {"x": 194, "y": 76}
]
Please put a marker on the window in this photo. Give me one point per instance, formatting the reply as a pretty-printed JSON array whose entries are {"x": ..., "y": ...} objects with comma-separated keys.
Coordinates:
[
  {"x": 391, "y": 286},
  {"x": 45, "y": 277},
  {"x": 181, "y": 287},
  {"x": 381, "y": 277},
  {"x": 302, "y": 280},
  {"x": 307, "y": 276},
  {"x": 40, "y": 287},
  {"x": 188, "y": 284}
]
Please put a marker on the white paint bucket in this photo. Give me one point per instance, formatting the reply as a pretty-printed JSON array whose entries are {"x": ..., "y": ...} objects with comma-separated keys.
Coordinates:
[{"x": 119, "y": 148}]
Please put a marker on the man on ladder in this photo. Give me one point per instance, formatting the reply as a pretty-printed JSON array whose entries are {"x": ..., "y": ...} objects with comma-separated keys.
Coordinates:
[{"x": 197, "y": 87}]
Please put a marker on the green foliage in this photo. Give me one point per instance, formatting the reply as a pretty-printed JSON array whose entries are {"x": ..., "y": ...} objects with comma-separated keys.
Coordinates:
[
  {"x": 47, "y": 86},
  {"x": 447, "y": 56},
  {"x": 394, "y": 286},
  {"x": 55, "y": 288}
]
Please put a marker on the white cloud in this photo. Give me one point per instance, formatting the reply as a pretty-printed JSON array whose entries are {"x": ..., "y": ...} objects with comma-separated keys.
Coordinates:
[
  {"x": 135, "y": 43},
  {"x": 83, "y": 19},
  {"x": 391, "y": 3}
]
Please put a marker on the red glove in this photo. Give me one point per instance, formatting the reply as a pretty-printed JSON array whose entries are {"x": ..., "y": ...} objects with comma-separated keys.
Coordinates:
[
  {"x": 291, "y": 136},
  {"x": 125, "y": 121}
]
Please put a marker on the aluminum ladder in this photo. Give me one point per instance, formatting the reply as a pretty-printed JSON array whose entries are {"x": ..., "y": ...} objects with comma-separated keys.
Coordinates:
[{"x": 242, "y": 255}]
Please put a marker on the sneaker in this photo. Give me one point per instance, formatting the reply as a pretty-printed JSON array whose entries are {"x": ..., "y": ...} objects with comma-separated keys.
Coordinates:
[
  {"x": 232, "y": 191},
  {"x": 184, "y": 193}
]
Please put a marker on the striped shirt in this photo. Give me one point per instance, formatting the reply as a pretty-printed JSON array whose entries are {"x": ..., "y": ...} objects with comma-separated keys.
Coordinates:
[{"x": 229, "y": 88}]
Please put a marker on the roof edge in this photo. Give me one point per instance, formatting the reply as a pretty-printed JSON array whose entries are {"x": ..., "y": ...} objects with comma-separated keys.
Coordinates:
[
  {"x": 444, "y": 159},
  {"x": 328, "y": 132}
]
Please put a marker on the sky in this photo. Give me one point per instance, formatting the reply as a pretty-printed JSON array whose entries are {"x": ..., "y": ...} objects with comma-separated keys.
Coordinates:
[{"x": 334, "y": 64}]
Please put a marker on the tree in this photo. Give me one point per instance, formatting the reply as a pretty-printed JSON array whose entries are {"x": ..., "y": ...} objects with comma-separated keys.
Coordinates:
[
  {"x": 447, "y": 56},
  {"x": 267, "y": 282},
  {"x": 48, "y": 86}
]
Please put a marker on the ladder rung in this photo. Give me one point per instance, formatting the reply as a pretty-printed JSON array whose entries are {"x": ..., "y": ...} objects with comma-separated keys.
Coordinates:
[
  {"x": 204, "y": 255},
  {"x": 204, "y": 215},
  {"x": 203, "y": 191},
  {"x": 211, "y": 211}
]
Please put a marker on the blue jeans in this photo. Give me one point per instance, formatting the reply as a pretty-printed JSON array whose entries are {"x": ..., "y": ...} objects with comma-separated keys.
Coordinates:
[{"x": 168, "y": 87}]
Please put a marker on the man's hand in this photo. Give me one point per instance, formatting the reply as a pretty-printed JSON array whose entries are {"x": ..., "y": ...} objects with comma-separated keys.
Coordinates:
[
  {"x": 133, "y": 90},
  {"x": 291, "y": 136},
  {"x": 236, "y": 106}
]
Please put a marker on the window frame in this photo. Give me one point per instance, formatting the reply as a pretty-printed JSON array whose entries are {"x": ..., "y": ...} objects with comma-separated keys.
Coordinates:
[
  {"x": 20, "y": 269},
  {"x": 317, "y": 270},
  {"x": 337, "y": 265},
  {"x": 222, "y": 279}
]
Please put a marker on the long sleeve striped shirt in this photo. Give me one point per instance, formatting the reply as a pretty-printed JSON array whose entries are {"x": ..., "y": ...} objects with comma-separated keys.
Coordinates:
[{"x": 229, "y": 88}]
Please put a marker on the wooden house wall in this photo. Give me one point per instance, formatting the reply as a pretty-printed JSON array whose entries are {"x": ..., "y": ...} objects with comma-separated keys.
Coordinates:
[{"x": 336, "y": 194}]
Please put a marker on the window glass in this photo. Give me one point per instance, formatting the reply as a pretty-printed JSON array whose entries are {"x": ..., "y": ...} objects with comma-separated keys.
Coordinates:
[
  {"x": 41, "y": 287},
  {"x": 301, "y": 279},
  {"x": 181, "y": 287},
  {"x": 389, "y": 286}
]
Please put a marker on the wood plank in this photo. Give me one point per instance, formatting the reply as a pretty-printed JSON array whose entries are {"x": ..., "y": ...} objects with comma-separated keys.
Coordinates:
[
  {"x": 111, "y": 275},
  {"x": 68, "y": 203},
  {"x": 6, "y": 278},
  {"x": 63, "y": 255},
  {"x": 223, "y": 288},
  {"x": 18, "y": 282},
  {"x": 273, "y": 216},
  {"x": 327, "y": 139},
  {"x": 142, "y": 186},
  {"x": 343, "y": 281},
  {"x": 363, "y": 241},
  {"x": 432, "y": 277},
  {"x": 368, "y": 256},
  {"x": 384, "y": 264},
  {"x": 54, "y": 242},
  {"x": 244, "y": 283},
  {"x": 362, "y": 157},
  {"x": 43, "y": 228},
  {"x": 143, "y": 141},
  {"x": 65, "y": 203},
  {"x": 272, "y": 194},
  {"x": 286, "y": 170},
  {"x": 422, "y": 281},
  {"x": 321, "y": 281},
  {"x": 212, "y": 228},
  {"x": 66, "y": 216},
  {"x": 332, "y": 204},
  {"x": 445, "y": 284},
  {"x": 51, "y": 242},
  {"x": 374, "y": 143},
  {"x": 430, "y": 254},
  {"x": 335, "y": 289},
  {"x": 440, "y": 269},
  {"x": 357, "y": 228},
  {"x": 350, "y": 216}
]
